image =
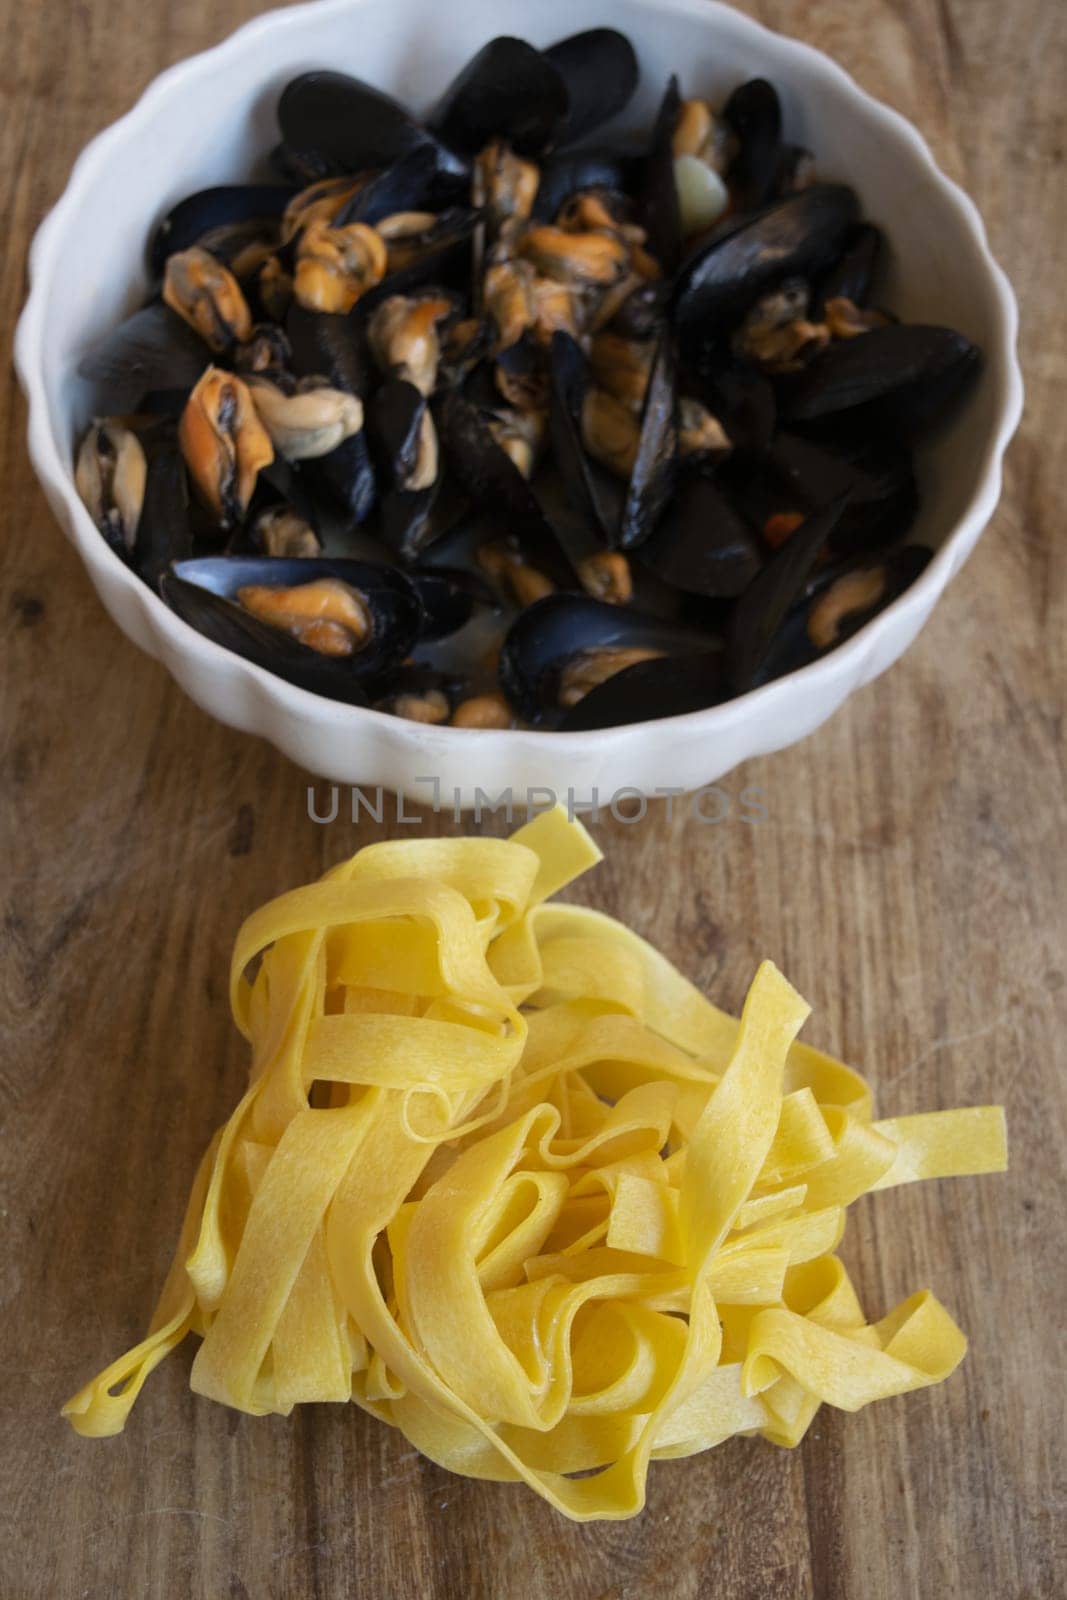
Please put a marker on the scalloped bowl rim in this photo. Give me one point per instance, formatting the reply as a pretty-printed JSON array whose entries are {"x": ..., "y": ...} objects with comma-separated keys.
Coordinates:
[{"x": 845, "y": 662}]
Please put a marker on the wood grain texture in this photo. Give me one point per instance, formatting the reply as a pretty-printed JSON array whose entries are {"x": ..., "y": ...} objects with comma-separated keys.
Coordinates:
[{"x": 910, "y": 879}]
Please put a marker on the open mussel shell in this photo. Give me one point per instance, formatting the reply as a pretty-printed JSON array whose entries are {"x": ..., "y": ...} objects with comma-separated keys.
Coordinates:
[
  {"x": 794, "y": 237},
  {"x": 333, "y": 347},
  {"x": 667, "y": 686},
  {"x": 204, "y": 593},
  {"x": 754, "y": 114},
  {"x": 703, "y": 545},
  {"x": 449, "y": 600},
  {"x": 201, "y": 214},
  {"x": 878, "y": 479},
  {"x": 855, "y": 272},
  {"x": 508, "y": 91},
  {"x": 414, "y": 182},
  {"x": 595, "y": 496},
  {"x": 655, "y": 469},
  {"x": 657, "y": 195},
  {"x": 349, "y": 126},
  {"x": 150, "y": 361},
  {"x": 165, "y": 530},
  {"x": 600, "y": 72},
  {"x": 487, "y": 474},
  {"x": 742, "y": 398},
  {"x": 776, "y": 588},
  {"x": 840, "y": 598},
  {"x": 552, "y": 643},
  {"x": 577, "y": 171},
  {"x": 902, "y": 378},
  {"x": 396, "y": 420}
]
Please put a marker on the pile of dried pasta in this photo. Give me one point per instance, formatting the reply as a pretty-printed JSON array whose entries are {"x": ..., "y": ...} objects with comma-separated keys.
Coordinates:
[{"x": 505, "y": 1178}]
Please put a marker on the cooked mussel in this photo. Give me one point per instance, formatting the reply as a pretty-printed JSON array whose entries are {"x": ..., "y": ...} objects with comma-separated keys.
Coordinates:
[
  {"x": 852, "y": 276},
  {"x": 329, "y": 625},
  {"x": 404, "y": 438},
  {"x": 224, "y": 444},
  {"x": 207, "y": 296},
  {"x": 336, "y": 266},
  {"x": 238, "y": 211},
  {"x": 309, "y": 422},
  {"x": 583, "y": 171},
  {"x": 768, "y": 599},
  {"x": 904, "y": 378},
  {"x": 647, "y": 691},
  {"x": 504, "y": 184},
  {"x": 840, "y": 598},
  {"x": 792, "y": 238},
  {"x": 559, "y": 649},
  {"x": 404, "y": 337},
  {"x": 337, "y": 348},
  {"x": 110, "y": 475},
  {"x": 878, "y": 480}
]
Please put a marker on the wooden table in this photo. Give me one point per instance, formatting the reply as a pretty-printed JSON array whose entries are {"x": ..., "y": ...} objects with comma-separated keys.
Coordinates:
[{"x": 910, "y": 878}]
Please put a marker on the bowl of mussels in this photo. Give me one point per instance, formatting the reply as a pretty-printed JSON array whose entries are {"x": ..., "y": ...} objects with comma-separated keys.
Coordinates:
[{"x": 502, "y": 396}]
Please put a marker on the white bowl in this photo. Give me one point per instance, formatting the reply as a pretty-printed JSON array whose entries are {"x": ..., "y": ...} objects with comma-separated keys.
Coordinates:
[{"x": 211, "y": 120}]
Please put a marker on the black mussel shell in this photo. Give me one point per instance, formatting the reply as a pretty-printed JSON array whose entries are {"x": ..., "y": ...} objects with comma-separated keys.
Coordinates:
[
  {"x": 668, "y": 686},
  {"x": 204, "y": 591},
  {"x": 332, "y": 347},
  {"x": 655, "y": 470},
  {"x": 600, "y": 72},
  {"x": 346, "y": 476},
  {"x": 278, "y": 485},
  {"x": 490, "y": 478},
  {"x": 508, "y": 91},
  {"x": 302, "y": 168},
  {"x": 336, "y": 348},
  {"x": 754, "y": 113},
  {"x": 765, "y": 604},
  {"x": 414, "y": 182},
  {"x": 855, "y": 272},
  {"x": 350, "y": 126},
  {"x": 153, "y": 353},
  {"x": 188, "y": 222},
  {"x": 165, "y": 528},
  {"x": 449, "y": 599},
  {"x": 878, "y": 478},
  {"x": 394, "y": 419},
  {"x": 657, "y": 194},
  {"x": 742, "y": 398},
  {"x": 575, "y": 172},
  {"x": 902, "y": 378},
  {"x": 549, "y": 634},
  {"x": 795, "y": 237},
  {"x": 417, "y": 679},
  {"x": 795, "y": 646},
  {"x": 643, "y": 313},
  {"x": 703, "y": 545},
  {"x": 594, "y": 495}
]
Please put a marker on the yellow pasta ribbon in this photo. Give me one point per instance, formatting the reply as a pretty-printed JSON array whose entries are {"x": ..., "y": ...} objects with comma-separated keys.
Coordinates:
[{"x": 508, "y": 1180}]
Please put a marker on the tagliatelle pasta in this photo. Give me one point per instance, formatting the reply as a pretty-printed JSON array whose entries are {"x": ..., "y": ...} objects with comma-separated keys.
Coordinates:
[{"x": 509, "y": 1181}]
